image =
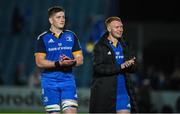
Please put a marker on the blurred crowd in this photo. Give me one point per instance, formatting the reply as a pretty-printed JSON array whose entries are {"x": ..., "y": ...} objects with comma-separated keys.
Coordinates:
[
  {"x": 21, "y": 78},
  {"x": 156, "y": 79}
]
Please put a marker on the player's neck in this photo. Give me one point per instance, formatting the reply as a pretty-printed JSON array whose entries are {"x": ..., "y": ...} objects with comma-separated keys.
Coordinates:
[
  {"x": 112, "y": 39},
  {"x": 55, "y": 30}
]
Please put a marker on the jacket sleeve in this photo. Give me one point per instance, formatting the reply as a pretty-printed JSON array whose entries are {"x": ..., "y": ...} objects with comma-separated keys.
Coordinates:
[{"x": 100, "y": 65}]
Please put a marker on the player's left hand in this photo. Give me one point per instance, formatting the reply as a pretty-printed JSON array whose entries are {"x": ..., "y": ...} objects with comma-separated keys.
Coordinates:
[
  {"x": 64, "y": 57},
  {"x": 67, "y": 61},
  {"x": 130, "y": 62}
]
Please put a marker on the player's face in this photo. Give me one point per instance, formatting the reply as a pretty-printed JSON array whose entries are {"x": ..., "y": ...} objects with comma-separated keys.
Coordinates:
[
  {"x": 116, "y": 29},
  {"x": 58, "y": 20}
]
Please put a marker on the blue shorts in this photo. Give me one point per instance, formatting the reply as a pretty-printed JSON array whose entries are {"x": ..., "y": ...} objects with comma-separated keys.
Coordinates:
[
  {"x": 123, "y": 102},
  {"x": 122, "y": 98},
  {"x": 58, "y": 95}
]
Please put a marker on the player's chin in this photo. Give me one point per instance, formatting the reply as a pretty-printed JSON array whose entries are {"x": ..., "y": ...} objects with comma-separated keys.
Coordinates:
[
  {"x": 61, "y": 27},
  {"x": 118, "y": 36}
]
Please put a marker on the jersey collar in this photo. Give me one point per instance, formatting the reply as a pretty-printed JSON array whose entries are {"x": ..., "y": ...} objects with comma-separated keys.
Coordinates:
[{"x": 56, "y": 35}]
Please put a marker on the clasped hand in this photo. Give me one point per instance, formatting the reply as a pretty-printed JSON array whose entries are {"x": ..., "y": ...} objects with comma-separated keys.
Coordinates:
[
  {"x": 66, "y": 61},
  {"x": 128, "y": 63}
]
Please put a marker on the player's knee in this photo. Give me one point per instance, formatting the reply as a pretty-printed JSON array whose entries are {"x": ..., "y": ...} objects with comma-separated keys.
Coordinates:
[
  {"x": 124, "y": 111},
  {"x": 69, "y": 106},
  {"x": 70, "y": 110},
  {"x": 52, "y": 108}
]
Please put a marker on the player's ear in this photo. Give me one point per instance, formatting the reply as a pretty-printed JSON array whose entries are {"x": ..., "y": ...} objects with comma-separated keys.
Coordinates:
[
  {"x": 50, "y": 20},
  {"x": 109, "y": 28}
]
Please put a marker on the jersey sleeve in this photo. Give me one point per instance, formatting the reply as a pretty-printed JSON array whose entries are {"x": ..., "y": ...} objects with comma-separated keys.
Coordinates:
[
  {"x": 76, "y": 46},
  {"x": 39, "y": 46}
]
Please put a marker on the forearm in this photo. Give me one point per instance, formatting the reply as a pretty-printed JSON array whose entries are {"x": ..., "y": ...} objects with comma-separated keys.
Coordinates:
[
  {"x": 79, "y": 61},
  {"x": 45, "y": 63},
  {"x": 79, "y": 58}
]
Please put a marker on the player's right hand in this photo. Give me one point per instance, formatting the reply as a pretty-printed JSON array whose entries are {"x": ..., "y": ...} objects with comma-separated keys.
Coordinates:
[
  {"x": 128, "y": 63},
  {"x": 66, "y": 61},
  {"x": 64, "y": 57}
]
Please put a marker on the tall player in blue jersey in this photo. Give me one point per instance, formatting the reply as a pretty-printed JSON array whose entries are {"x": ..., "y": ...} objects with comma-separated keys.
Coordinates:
[
  {"x": 110, "y": 91},
  {"x": 57, "y": 51}
]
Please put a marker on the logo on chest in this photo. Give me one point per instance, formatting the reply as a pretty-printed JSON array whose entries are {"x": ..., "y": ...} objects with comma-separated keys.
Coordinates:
[
  {"x": 69, "y": 39},
  {"x": 59, "y": 44},
  {"x": 109, "y": 53},
  {"x": 119, "y": 55},
  {"x": 51, "y": 41}
]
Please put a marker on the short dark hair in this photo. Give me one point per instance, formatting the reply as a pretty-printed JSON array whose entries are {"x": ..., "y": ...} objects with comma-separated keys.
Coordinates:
[
  {"x": 55, "y": 9},
  {"x": 110, "y": 19}
]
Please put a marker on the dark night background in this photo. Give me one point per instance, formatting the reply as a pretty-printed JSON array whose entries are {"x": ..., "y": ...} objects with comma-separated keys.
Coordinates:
[
  {"x": 149, "y": 11},
  {"x": 152, "y": 29}
]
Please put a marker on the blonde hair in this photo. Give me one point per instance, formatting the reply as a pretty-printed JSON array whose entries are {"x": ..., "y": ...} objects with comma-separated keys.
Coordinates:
[{"x": 110, "y": 19}]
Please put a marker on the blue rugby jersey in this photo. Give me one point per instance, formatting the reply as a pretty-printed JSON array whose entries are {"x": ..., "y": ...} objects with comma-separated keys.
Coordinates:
[
  {"x": 122, "y": 95},
  {"x": 52, "y": 46}
]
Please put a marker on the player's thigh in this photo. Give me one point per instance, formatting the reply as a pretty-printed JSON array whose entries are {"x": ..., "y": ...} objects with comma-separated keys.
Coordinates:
[
  {"x": 69, "y": 99},
  {"x": 123, "y": 111},
  {"x": 51, "y": 99}
]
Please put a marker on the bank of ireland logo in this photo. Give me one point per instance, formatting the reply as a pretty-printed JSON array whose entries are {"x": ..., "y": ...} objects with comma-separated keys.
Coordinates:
[
  {"x": 59, "y": 44},
  {"x": 117, "y": 53}
]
